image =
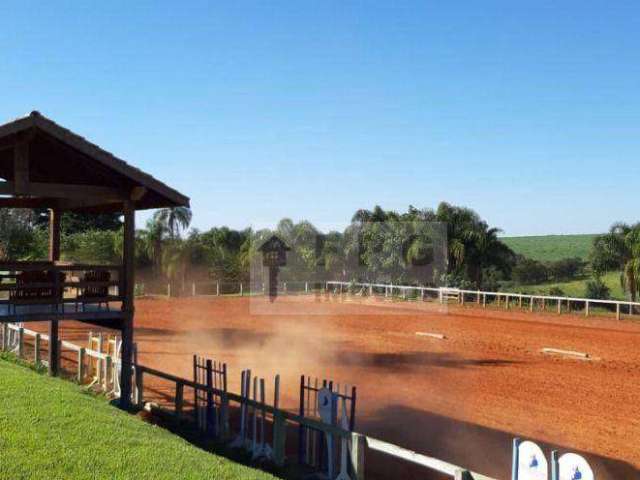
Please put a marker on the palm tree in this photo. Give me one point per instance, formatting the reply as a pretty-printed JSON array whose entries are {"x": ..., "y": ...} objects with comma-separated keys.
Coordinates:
[
  {"x": 152, "y": 240},
  {"x": 619, "y": 249},
  {"x": 174, "y": 219}
]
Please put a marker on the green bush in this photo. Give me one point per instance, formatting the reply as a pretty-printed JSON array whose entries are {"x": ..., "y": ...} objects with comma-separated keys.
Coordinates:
[
  {"x": 556, "y": 292},
  {"x": 529, "y": 272},
  {"x": 596, "y": 288}
]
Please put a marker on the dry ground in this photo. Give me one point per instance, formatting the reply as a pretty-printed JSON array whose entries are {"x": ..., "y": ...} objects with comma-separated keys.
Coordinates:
[{"x": 461, "y": 399}]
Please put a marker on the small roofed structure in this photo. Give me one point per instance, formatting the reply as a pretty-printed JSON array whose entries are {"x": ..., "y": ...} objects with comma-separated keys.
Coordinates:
[
  {"x": 44, "y": 165},
  {"x": 274, "y": 255}
]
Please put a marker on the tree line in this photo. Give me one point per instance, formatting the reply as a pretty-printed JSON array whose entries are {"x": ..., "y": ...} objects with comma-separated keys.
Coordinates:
[{"x": 449, "y": 245}]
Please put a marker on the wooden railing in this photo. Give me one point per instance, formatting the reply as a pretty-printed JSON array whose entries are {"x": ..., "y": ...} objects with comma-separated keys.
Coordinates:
[{"x": 59, "y": 285}]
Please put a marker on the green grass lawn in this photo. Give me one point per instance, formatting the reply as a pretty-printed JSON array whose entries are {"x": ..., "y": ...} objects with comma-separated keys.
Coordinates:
[
  {"x": 547, "y": 248},
  {"x": 52, "y": 429},
  {"x": 576, "y": 288}
]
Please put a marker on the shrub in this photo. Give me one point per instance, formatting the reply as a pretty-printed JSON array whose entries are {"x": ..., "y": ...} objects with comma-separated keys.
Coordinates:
[
  {"x": 528, "y": 271},
  {"x": 566, "y": 269},
  {"x": 556, "y": 292},
  {"x": 596, "y": 288}
]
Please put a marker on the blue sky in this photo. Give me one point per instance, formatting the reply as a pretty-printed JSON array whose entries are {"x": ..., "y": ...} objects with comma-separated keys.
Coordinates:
[{"x": 528, "y": 112}]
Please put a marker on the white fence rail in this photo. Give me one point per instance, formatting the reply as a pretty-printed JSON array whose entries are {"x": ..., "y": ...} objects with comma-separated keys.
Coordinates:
[
  {"x": 92, "y": 364},
  {"x": 505, "y": 299}
]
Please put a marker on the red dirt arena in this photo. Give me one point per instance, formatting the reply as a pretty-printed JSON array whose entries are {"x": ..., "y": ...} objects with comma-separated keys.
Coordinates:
[{"x": 461, "y": 399}]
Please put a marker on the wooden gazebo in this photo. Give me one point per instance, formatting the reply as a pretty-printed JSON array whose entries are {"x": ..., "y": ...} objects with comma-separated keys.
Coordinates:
[{"x": 44, "y": 165}]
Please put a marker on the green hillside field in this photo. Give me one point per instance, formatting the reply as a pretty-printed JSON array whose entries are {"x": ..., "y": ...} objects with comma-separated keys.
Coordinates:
[
  {"x": 548, "y": 248},
  {"x": 576, "y": 288},
  {"x": 53, "y": 429}
]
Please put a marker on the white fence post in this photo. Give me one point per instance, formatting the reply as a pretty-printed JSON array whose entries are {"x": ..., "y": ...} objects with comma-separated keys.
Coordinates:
[
  {"x": 586, "y": 308},
  {"x": 193, "y": 289},
  {"x": 217, "y": 289}
]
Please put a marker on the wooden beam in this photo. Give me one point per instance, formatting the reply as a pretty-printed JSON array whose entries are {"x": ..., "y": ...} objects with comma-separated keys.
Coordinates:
[
  {"x": 61, "y": 190},
  {"x": 25, "y": 202},
  {"x": 137, "y": 193}
]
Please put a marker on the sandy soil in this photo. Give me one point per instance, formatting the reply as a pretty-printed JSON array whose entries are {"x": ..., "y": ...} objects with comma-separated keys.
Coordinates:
[{"x": 461, "y": 399}]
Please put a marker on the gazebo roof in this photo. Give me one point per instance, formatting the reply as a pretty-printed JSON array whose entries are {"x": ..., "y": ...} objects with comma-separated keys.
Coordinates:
[{"x": 46, "y": 165}]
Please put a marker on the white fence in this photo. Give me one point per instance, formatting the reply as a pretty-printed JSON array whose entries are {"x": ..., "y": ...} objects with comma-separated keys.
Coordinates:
[
  {"x": 93, "y": 365},
  {"x": 504, "y": 299}
]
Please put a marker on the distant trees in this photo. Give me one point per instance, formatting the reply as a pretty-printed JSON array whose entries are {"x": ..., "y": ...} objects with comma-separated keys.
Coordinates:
[
  {"x": 529, "y": 272},
  {"x": 448, "y": 245},
  {"x": 619, "y": 250}
]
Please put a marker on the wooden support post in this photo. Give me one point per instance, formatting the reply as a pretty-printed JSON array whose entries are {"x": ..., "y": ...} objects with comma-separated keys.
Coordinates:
[
  {"x": 169, "y": 289},
  {"x": 193, "y": 289},
  {"x": 54, "y": 352},
  {"x": 81, "y": 353},
  {"x": 358, "y": 446},
  {"x": 217, "y": 289},
  {"x": 54, "y": 256},
  {"x": 128, "y": 258},
  {"x": 20, "y": 342},
  {"x": 36, "y": 350}
]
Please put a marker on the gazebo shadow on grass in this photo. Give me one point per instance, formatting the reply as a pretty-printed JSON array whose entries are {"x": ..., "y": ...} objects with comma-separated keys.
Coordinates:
[{"x": 481, "y": 449}]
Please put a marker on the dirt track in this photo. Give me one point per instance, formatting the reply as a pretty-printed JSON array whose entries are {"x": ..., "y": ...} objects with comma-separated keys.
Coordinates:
[{"x": 461, "y": 399}]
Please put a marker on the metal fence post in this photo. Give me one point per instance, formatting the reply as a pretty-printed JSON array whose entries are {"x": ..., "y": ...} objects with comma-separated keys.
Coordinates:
[
  {"x": 139, "y": 387},
  {"x": 279, "y": 438}
]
